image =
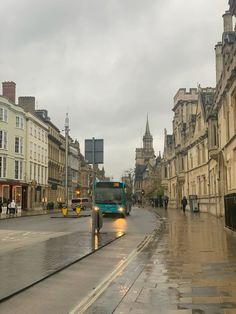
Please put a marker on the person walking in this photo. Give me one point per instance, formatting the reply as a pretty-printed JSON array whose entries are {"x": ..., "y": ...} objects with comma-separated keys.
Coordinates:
[
  {"x": 166, "y": 201},
  {"x": 184, "y": 203},
  {"x": 1, "y": 205},
  {"x": 12, "y": 207}
]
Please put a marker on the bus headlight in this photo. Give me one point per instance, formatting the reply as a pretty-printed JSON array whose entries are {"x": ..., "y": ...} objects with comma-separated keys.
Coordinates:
[{"x": 121, "y": 209}]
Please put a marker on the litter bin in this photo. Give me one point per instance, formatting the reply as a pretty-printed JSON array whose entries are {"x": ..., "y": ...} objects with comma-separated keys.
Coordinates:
[
  {"x": 230, "y": 211},
  {"x": 193, "y": 203}
]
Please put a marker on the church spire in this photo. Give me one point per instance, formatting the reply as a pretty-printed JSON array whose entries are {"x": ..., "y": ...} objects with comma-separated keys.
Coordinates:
[
  {"x": 147, "y": 128},
  {"x": 148, "y": 150}
]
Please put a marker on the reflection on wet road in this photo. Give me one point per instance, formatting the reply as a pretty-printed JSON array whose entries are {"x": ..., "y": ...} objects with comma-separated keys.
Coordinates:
[
  {"x": 190, "y": 267},
  {"x": 24, "y": 266}
]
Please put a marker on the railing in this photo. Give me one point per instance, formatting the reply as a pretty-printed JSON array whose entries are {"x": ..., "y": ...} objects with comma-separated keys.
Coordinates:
[{"x": 230, "y": 211}]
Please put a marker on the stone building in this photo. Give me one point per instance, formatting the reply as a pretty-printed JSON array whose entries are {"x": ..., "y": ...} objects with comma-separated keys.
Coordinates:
[
  {"x": 147, "y": 170},
  {"x": 144, "y": 156},
  {"x": 32, "y": 156},
  {"x": 13, "y": 184},
  {"x": 56, "y": 160},
  {"x": 185, "y": 164},
  {"x": 73, "y": 168},
  {"x": 36, "y": 154},
  {"x": 232, "y": 7},
  {"x": 222, "y": 136},
  {"x": 204, "y": 163}
]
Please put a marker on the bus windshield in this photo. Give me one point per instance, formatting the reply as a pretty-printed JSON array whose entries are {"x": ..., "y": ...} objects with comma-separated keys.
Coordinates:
[{"x": 108, "y": 196}]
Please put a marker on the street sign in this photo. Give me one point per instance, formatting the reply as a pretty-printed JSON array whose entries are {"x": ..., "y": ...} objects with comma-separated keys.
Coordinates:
[
  {"x": 94, "y": 155},
  {"x": 94, "y": 151}
]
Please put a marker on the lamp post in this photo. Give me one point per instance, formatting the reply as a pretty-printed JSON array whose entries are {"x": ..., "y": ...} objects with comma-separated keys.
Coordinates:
[{"x": 66, "y": 158}]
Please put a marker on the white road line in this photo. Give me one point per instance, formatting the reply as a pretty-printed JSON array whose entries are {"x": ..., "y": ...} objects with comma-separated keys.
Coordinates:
[{"x": 92, "y": 296}]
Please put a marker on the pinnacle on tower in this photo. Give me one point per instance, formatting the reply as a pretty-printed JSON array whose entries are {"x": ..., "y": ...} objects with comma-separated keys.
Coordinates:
[{"x": 147, "y": 128}]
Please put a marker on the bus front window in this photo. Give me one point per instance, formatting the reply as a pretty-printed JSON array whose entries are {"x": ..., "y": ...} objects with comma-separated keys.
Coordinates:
[{"x": 108, "y": 196}]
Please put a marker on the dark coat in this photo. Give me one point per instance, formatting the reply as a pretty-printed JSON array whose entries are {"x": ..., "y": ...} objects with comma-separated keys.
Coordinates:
[{"x": 184, "y": 201}]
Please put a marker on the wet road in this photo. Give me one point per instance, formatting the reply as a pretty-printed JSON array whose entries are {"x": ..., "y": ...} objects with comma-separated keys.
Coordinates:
[
  {"x": 189, "y": 267},
  {"x": 43, "y": 240}
]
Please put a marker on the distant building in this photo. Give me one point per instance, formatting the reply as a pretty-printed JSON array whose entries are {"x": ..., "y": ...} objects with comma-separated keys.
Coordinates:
[
  {"x": 56, "y": 160},
  {"x": 146, "y": 153},
  {"x": 147, "y": 169}
]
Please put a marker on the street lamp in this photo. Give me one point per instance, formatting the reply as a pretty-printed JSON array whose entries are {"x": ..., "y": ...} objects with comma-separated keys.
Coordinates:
[{"x": 66, "y": 158}]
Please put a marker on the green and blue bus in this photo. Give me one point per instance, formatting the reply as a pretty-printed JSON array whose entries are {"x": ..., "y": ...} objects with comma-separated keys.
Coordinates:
[{"x": 112, "y": 198}]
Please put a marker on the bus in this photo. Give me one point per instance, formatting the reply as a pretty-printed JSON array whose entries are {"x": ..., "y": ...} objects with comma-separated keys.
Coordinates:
[{"x": 112, "y": 198}]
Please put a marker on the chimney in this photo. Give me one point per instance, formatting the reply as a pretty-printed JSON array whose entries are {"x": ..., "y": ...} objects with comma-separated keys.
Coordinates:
[
  {"x": 27, "y": 103},
  {"x": 9, "y": 91},
  {"x": 228, "y": 22},
  {"x": 219, "y": 61}
]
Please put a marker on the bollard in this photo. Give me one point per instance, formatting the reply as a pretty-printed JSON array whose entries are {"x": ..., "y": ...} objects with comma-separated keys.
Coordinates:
[
  {"x": 77, "y": 210},
  {"x": 97, "y": 220},
  {"x": 64, "y": 210}
]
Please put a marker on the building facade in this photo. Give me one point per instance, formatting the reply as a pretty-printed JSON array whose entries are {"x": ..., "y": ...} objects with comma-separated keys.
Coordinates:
[
  {"x": 147, "y": 169},
  {"x": 203, "y": 164},
  {"x": 222, "y": 149},
  {"x": 32, "y": 156},
  {"x": 185, "y": 163},
  {"x": 36, "y": 155},
  {"x": 13, "y": 184},
  {"x": 73, "y": 169}
]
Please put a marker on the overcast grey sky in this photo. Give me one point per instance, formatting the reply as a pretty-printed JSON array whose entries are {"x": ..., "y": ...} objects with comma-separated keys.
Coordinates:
[{"x": 109, "y": 63}]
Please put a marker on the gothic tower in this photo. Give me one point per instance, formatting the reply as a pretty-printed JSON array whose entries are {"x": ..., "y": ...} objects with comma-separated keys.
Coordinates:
[{"x": 148, "y": 151}]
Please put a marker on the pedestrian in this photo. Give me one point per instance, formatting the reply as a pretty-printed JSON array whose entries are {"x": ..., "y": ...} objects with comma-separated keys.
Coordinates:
[
  {"x": 13, "y": 207},
  {"x": 166, "y": 201},
  {"x": 184, "y": 203},
  {"x": 1, "y": 204}
]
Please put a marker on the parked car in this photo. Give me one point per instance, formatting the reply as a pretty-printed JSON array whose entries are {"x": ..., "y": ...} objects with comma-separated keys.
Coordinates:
[{"x": 83, "y": 203}]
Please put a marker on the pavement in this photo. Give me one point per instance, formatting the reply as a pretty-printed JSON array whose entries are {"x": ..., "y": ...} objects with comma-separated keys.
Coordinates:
[
  {"x": 188, "y": 268},
  {"x": 29, "y": 212}
]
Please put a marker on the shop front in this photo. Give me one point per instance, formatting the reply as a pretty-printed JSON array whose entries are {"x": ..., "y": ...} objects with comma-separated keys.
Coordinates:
[{"x": 10, "y": 190}]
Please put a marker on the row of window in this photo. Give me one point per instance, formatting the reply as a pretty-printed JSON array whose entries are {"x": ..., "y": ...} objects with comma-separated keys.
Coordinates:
[
  {"x": 38, "y": 153},
  {"x": 18, "y": 168},
  {"x": 37, "y": 132},
  {"x": 4, "y": 142},
  {"x": 200, "y": 158},
  {"x": 38, "y": 173},
  {"x": 4, "y": 118}
]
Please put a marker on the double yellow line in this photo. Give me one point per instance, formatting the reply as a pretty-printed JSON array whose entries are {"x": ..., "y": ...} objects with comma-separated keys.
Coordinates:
[{"x": 92, "y": 296}]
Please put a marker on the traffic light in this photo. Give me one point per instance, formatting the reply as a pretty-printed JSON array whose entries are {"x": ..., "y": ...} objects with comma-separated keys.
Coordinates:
[
  {"x": 78, "y": 192},
  {"x": 143, "y": 192}
]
